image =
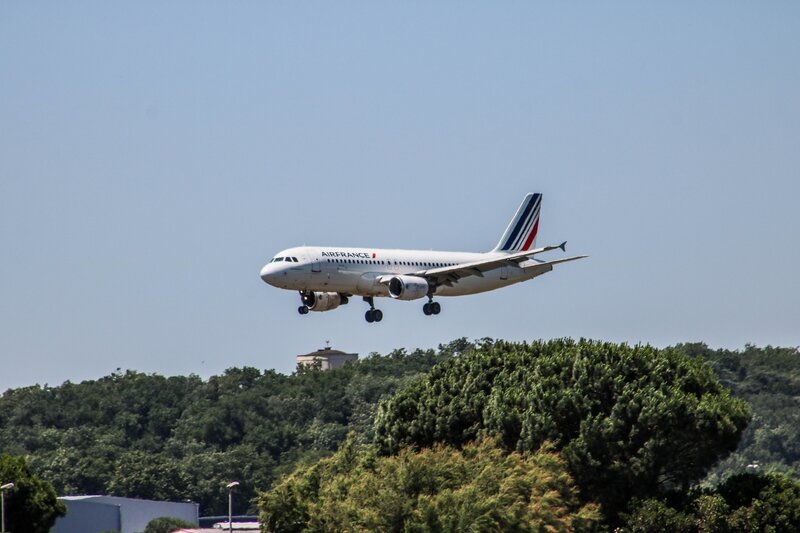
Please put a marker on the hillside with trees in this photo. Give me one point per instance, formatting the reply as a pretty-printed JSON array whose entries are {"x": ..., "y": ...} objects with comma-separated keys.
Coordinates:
[
  {"x": 178, "y": 438},
  {"x": 768, "y": 379},
  {"x": 635, "y": 429},
  {"x": 618, "y": 434}
]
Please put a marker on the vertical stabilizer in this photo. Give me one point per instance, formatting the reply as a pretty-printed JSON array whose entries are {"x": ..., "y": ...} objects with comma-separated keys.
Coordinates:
[{"x": 520, "y": 235}]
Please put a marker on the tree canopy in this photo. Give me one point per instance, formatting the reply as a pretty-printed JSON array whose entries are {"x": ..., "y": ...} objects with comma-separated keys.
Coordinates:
[
  {"x": 177, "y": 438},
  {"x": 618, "y": 417},
  {"x": 477, "y": 488},
  {"x": 32, "y": 504},
  {"x": 629, "y": 421},
  {"x": 166, "y": 524},
  {"x": 744, "y": 502},
  {"x": 768, "y": 379}
]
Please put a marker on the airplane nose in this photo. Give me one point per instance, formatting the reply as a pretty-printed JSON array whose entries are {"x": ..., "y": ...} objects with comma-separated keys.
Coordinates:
[{"x": 265, "y": 273}]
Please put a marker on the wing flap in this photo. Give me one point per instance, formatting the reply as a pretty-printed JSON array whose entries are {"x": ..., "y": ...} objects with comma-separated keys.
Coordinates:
[{"x": 547, "y": 266}]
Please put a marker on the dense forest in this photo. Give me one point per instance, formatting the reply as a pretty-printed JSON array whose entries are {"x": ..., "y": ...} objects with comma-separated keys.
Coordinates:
[
  {"x": 178, "y": 438},
  {"x": 768, "y": 379},
  {"x": 563, "y": 417}
]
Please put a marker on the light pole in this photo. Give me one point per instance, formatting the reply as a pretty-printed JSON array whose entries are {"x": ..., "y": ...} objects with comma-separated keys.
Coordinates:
[
  {"x": 230, "y": 504},
  {"x": 3, "y": 489}
]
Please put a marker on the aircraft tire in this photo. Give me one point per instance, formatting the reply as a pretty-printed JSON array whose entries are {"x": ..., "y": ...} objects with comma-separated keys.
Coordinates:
[
  {"x": 378, "y": 315},
  {"x": 369, "y": 316},
  {"x": 427, "y": 309},
  {"x": 436, "y": 308},
  {"x": 303, "y": 310}
]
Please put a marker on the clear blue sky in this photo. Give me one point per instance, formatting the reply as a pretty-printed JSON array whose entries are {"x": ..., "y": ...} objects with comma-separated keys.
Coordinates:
[{"x": 153, "y": 155}]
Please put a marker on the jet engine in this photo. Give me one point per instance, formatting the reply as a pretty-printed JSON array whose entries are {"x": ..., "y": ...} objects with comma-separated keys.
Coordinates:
[
  {"x": 323, "y": 301},
  {"x": 408, "y": 287}
]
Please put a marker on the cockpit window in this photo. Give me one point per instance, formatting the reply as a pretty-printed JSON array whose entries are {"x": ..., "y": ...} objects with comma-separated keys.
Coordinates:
[{"x": 294, "y": 259}]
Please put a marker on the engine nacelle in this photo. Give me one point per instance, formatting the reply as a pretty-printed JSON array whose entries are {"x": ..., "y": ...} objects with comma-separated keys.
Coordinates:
[
  {"x": 408, "y": 287},
  {"x": 322, "y": 301}
]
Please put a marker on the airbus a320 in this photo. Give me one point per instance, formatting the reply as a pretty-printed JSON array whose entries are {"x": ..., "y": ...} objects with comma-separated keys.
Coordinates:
[{"x": 327, "y": 277}]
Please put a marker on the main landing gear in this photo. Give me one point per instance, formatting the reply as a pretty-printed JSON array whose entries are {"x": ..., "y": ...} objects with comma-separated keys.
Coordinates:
[
  {"x": 372, "y": 314},
  {"x": 431, "y": 308}
]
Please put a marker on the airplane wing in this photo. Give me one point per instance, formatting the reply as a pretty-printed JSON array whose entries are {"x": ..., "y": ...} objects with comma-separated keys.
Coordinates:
[
  {"x": 450, "y": 275},
  {"x": 547, "y": 266}
]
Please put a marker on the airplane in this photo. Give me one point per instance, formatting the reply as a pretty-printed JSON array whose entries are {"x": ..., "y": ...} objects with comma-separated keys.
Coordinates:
[{"x": 327, "y": 277}]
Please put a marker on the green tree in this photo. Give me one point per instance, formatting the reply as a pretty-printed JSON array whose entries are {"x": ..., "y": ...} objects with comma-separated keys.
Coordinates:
[
  {"x": 656, "y": 516},
  {"x": 31, "y": 505},
  {"x": 768, "y": 379},
  {"x": 150, "y": 436},
  {"x": 745, "y": 502},
  {"x": 630, "y": 421},
  {"x": 769, "y": 502},
  {"x": 167, "y": 524},
  {"x": 151, "y": 477},
  {"x": 478, "y": 488}
]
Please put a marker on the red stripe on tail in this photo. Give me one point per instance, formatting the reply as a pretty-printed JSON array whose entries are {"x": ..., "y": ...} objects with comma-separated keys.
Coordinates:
[{"x": 531, "y": 237}]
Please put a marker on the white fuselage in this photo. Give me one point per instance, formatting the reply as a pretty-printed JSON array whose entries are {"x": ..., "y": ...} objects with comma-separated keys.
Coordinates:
[{"x": 356, "y": 270}]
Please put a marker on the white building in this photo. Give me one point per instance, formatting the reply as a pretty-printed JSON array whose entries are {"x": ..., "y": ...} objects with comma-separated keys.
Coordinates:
[
  {"x": 93, "y": 514},
  {"x": 327, "y": 358}
]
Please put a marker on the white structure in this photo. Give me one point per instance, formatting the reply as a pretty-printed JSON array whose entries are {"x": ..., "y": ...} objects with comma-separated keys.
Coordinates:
[
  {"x": 327, "y": 358},
  {"x": 93, "y": 514},
  {"x": 224, "y": 526}
]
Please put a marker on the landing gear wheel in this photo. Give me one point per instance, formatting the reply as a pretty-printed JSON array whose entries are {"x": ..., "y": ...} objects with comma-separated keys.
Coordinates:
[
  {"x": 431, "y": 308},
  {"x": 373, "y": 315},
  {"x": 303, "y": 310}
]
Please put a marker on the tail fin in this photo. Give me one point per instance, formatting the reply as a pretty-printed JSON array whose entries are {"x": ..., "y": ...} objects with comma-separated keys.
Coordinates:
[{"x": 521, "y": 233}]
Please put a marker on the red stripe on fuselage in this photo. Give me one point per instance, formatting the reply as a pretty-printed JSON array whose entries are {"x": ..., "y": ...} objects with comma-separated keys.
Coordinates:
[{"x": 531, "y": 237}]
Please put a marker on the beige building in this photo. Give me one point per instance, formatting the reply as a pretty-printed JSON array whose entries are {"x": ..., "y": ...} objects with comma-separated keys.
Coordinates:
[{"x": 327, "y": 358}]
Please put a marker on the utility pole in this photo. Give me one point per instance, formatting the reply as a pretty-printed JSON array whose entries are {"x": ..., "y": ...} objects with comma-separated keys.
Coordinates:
[
  {"x": 230, "y": 504},
  {"x": 3, "y": 489}
]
